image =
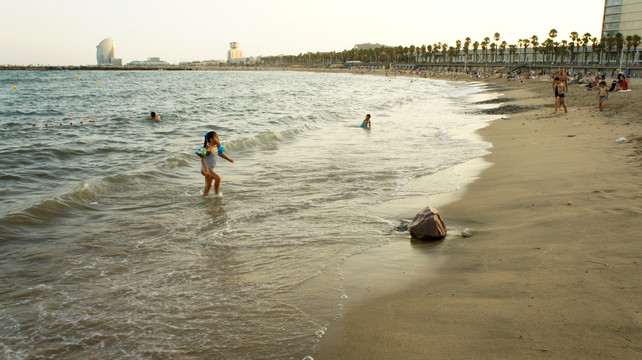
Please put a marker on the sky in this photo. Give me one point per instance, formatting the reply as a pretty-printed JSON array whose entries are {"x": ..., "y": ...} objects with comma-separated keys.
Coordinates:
[{"x": 66, "y": 32}]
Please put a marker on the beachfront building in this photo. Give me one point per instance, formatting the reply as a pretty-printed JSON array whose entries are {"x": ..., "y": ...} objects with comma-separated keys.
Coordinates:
[
  {"x": 622, "y": 16},
  {"x": 235, "y": 55},
  {"x": 151, "y": 61},
  {"x": 105, "y": 51}
]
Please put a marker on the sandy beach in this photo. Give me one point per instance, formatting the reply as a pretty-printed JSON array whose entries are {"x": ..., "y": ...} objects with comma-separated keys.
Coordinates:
[{"x": 553, "y": 270}]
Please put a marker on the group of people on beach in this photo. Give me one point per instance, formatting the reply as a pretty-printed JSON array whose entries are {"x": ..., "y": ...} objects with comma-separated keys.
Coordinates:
[{"x": 561, "y": 81}]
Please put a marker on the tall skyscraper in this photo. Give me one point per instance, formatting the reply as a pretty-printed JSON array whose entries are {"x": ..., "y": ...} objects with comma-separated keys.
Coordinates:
[
  {"x": 622, "y": 16},
  {"x": 105, "y": 51},
  {"x": 234, "y": 55}
]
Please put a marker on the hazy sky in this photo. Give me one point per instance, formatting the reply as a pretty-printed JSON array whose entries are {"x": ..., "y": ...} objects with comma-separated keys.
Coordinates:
[{"x": 66, "y": 32}]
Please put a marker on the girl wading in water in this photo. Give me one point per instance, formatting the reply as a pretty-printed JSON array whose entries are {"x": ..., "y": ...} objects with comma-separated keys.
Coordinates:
[{"x": 212, "y": 148}]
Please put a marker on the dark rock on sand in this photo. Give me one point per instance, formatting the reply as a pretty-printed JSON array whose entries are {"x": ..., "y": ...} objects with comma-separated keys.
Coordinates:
[
  {"x": 507, "y": 109},
  {"x": 427, "y": 225},
  {"x": 494, "y": 101}
]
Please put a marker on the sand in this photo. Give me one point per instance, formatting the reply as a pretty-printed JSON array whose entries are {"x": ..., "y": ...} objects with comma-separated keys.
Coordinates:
[{"x": 555, "y": 266}]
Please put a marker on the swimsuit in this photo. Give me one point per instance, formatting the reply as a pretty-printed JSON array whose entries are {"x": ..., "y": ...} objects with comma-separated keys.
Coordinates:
[
  {"x": 210, "y": 160},
  {"x": 602, "y": 96},
  {"x": 557, "y": 94}
]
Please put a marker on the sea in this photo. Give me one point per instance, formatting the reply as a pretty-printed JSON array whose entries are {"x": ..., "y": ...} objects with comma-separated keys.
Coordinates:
[{"x": 109, "y": 250}]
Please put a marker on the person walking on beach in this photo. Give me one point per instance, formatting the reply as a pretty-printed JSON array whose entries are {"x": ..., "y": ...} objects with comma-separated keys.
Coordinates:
[
  {"x": 602, "y": 95},
  {"x": 213, "y": 148},
  {"x": 366, "y": 122},
  {"x": 561, "y": 75},
  {"x": 559, "y": 88}
]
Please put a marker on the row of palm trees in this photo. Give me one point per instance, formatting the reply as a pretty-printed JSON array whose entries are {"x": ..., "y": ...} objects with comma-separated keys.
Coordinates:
[{"x": 580, "y": 49}]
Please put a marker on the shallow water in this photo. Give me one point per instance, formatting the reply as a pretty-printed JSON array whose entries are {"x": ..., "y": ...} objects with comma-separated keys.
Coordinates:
[{"x": 110, "y": 250}]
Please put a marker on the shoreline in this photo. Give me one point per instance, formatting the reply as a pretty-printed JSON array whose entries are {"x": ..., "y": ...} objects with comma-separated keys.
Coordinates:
[{"x": 532, "y": 282}]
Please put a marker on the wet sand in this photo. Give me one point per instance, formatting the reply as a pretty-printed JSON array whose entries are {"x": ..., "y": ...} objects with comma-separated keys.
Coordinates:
[{"x": 553, "y": 270}]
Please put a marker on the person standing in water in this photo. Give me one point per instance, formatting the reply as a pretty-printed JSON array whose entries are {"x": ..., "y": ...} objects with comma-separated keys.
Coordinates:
[
  {"x": 213, "y": 148},
  {"x": 366, "y": 122}
]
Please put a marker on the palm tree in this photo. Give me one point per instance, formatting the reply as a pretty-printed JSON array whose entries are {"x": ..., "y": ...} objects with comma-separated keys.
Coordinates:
[
  {"x": 595, "y": 49},
  {"x": 429, "y": 51},
  {"x": 475, "y": 47},
  {"x": 484, "y": 46},
  {"x": 609, "y": 42},
  {"x": 629, "y": 45},
  {"x": 619, "y": 44},
  {"x": 535, "y": 42},
  {"x": 636, "y": 43},
  {"x": 496, "y": 36},
  {"x": 585, "y": 40},
  {"x": 493, "y": 50},
  {"x": 512, "y": 50},
  {"x": 502, "y": 48},
  {"x": 466, "y": 45},
  {"x": 398, "y": 51},
  {"x": 574, "y": 40},
  {"x": 457, "y": 48},
  {"x": 526, "y": 43},
  {"x": 562, "y": 50}
]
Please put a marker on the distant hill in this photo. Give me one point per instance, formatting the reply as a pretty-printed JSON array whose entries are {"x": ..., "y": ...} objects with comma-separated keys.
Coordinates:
[{"x": 369, "y": 46}]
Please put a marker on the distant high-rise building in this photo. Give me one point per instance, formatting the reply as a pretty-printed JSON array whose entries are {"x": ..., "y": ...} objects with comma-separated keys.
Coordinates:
[
  {"x": 622, "y": 16},
  {"x": 234, "y": 55},
  {"x": 105, "y": 51}
]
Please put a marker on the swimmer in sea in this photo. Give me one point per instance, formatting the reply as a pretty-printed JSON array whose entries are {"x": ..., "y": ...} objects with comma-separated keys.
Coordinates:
[
  {"x": 366, "y": 122},
  {"x": 212, "y": 144},
  {"x": 154, "y": 116}
]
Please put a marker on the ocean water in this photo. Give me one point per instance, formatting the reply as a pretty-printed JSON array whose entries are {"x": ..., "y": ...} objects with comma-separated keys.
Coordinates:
[{"x": 109, "y": 250}]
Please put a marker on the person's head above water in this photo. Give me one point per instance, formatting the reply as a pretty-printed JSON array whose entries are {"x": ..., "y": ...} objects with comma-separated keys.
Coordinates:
[
  {"x": 153, "y": 114},
  {"x": 209, "y": 136},
  {"x": 367, "y": 116}
]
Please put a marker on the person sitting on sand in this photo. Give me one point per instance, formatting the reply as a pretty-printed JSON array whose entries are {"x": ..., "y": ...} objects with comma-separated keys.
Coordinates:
[
  {"x": 615, "y": 83},
  {"x": 623, "y": 84},
  {"x": 602, "y": 95},
  {"x": 154, "y": 116},
  {"x": 559, "y": 87},
  {"x": 366, "y": 122}
]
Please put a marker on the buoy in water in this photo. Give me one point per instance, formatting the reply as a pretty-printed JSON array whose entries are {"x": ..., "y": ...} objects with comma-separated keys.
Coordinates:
[
  {"x": 97, "y": 81},
  {"x": 14, "y": 87}
]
